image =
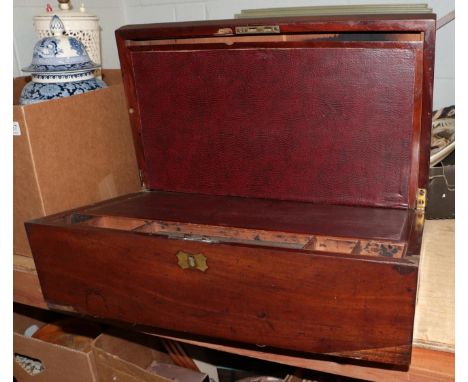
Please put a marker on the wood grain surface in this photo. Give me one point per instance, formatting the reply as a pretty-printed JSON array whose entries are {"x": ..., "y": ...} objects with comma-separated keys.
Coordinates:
[
  {"x": 433, "y": 328},
  {"x": 322, "y": 303},
  {"x": 26, "y": 287}
]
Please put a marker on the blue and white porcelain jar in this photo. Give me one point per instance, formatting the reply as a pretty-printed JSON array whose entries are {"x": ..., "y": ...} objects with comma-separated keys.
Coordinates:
[{"x": 60, "y": 67}]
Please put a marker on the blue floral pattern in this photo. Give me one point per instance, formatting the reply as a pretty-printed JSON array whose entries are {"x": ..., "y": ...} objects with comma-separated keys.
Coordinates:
[
  {"x": 60, "y": 53},
  {"x": 37, "y": 92},
  {"x": 46, "y": 48},
  {"x": 60, "y": 68},
  {"x": 77, "y": 46}
]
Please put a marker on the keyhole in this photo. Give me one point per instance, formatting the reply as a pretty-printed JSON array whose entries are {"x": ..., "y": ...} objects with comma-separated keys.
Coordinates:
[{"x": 191, "y": 262}]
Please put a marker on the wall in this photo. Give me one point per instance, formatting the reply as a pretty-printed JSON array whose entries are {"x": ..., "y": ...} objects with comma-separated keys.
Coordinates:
[{"x": 115, "y": 13}]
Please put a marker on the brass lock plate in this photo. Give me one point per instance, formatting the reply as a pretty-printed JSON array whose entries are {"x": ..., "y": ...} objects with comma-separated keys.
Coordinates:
[
  {"x": 192, "y": 261},
  {"x": 258, "y": 29}
]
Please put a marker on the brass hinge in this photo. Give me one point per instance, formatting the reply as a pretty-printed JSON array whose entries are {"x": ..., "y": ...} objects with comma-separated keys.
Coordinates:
[
  {"x": 258, "y": 29},
  {"x": 421, "y": 199},
  {"x": 142, "y": 179}
]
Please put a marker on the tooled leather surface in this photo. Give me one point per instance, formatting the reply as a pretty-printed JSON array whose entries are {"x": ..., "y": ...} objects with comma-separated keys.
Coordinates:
[{"x": 328, "y": 125}]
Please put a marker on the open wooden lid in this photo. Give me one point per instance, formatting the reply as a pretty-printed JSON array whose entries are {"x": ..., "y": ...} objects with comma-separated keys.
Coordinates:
[{"x": 314, "y": 109}]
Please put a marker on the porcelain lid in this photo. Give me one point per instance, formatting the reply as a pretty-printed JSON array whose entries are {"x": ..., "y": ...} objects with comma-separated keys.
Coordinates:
[{"x": 59, "y": 53}]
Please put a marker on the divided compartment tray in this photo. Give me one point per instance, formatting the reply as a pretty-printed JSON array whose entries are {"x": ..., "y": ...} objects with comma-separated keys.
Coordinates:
[{"x": 219, "y": 234}]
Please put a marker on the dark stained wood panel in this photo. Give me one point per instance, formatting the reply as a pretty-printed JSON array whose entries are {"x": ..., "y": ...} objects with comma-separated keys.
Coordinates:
[{"x": 317, "y": 24}]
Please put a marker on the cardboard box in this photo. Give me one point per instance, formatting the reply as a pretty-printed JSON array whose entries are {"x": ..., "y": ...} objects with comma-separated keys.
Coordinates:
[
  {"x": 127, "y": 356},
  {"x": 70, "y": 152},
  {"x": 59, "y": 363}
]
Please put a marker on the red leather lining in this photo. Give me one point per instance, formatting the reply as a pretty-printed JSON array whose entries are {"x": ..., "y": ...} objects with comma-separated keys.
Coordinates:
[{"x": 328, "y": 125}]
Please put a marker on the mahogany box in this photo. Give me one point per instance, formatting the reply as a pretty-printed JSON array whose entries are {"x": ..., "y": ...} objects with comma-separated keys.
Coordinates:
[{"x": 285, "y": 163}]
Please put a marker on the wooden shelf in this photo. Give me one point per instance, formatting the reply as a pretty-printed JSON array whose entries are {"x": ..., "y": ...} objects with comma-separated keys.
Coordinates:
[
  {"x": 26, "y": 287},
  {"x": 433, "y": 344},
  {"x": 426, "y": 365}
]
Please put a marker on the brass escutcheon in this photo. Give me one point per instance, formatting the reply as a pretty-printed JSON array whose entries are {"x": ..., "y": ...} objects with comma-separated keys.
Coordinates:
[{"x": 189, "y": 261}]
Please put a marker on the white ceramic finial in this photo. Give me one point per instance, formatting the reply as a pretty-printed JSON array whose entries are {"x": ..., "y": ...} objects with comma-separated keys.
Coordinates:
[
  {"x": 82, "y": 8},
  {"x": 56, "y": 26}
]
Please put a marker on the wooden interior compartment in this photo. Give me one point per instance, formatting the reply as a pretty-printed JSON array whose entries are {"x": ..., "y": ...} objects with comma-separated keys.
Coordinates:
[
  {"x": 109, "y": 222},
  {"x": 211, "y": 232}
]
